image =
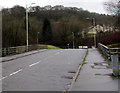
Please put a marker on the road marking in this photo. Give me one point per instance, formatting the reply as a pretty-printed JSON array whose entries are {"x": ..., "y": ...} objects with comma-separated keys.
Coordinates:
[
  {"x": 15, "y": 72},
  {"x": 3, "y": 77},
  {"x": 34, "y": 64},
  {"x": 57, "y": 53},
  {"x": 61, "y": 51}
]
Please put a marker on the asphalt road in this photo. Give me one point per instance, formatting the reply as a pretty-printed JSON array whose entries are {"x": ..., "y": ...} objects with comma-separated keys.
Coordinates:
[{"x": 44, "y": 71}]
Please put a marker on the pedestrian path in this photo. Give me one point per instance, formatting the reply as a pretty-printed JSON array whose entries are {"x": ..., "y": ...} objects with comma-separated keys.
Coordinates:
[{"x": 95, "y": 75}]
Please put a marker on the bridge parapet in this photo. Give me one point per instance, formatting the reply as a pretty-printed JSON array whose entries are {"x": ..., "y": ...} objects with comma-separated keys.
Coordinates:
[
  {"x": 112, "y": 54},
  {"x": 20, "y": 49}
]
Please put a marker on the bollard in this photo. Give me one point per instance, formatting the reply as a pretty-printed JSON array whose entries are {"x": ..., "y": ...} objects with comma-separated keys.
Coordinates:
[{"x": 115, "y": 64}]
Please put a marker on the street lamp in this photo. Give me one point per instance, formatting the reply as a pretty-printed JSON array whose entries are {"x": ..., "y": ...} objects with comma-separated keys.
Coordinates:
[
  {"x": 93, "y": 21},
  {"x": 73, "y": 40},
  {"x": 27, "y": 11},
  {"x": 38, "y": 37},
  {"x": 68, "y": 46}
]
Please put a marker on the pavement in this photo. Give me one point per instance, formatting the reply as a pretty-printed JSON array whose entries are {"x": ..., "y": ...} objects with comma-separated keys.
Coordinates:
[
  {"x": 95, "y": 75},
  {"x": 51, "y": 70}
]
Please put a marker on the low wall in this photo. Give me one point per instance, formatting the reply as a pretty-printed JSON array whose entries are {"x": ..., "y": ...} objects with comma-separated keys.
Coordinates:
[
  {"x": 112, "y": 54},
  {"x": 20, "y": 49}
]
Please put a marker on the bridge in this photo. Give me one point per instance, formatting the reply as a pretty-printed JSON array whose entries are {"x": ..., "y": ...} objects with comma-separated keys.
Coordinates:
[{"x": 58, "y": 70}]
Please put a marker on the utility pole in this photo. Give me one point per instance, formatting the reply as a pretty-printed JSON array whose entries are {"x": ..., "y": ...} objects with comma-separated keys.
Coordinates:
[
  {"x": 37, "y": 38},
  {"x": 93, "y": 22},
  {"x": 73, "y": 40},
  {"x": 68, "y": 46},
  {"x": 95, "y": 33},
  {"x": 27, "y": 28}
]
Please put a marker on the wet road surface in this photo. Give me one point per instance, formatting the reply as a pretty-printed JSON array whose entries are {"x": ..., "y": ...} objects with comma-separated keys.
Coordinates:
[{"x": 51, "y": 70}]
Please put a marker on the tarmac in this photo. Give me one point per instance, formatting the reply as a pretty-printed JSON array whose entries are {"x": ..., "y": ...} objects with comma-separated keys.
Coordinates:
[{"x": 96, "y": 75}]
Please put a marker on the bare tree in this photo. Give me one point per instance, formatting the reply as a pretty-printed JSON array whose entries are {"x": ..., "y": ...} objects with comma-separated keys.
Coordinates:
[{"x": 113, "y": 6}]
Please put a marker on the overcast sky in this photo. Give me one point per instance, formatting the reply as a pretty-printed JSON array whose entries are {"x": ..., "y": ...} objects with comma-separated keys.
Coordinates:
[{"x": 90, "y": 5}]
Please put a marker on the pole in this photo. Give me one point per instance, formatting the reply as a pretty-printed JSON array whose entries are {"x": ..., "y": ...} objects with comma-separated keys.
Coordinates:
[
  {"x": 27, "y": 36},
  {"x": 37, "y": 37},
  {"x": 27, "y": 27},
  {"x": 95, "y": 33},
  {"x": 68, "y": 46},
  {"x": 73, "y": 40}
]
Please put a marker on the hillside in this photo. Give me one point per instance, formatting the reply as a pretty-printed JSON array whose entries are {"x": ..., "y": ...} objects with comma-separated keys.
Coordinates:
[{"x": 63, "y": 21}]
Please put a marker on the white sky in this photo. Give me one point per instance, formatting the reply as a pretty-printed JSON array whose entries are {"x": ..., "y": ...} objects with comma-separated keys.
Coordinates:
[{"x": 90, "y": 5}]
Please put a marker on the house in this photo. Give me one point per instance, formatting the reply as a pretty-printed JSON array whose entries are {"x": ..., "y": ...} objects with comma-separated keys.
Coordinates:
[{"x": 98, "y": 28}]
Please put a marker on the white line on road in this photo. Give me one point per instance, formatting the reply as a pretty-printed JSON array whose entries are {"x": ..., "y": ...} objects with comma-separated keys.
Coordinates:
[
  {"x": 3, "y": 77},
  {"x": 34, "y": 64},
  {"x": 61, "y": 51},
  {"x": 57, "y": 53},
  {"x": 15, "y": 72}
]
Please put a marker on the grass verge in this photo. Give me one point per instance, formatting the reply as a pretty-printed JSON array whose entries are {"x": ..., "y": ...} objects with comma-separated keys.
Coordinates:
[
  {"x": 83, "y": 62},
  {"x": 52, "y": 47},
  {"x": 114, "y": 45},
  {"x": 77, "y": 73}
]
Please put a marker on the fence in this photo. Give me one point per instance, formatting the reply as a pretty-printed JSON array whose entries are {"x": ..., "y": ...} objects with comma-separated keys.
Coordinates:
[
  {"x": 20, "y": 49},
  {"x": 112, "y": 54}
]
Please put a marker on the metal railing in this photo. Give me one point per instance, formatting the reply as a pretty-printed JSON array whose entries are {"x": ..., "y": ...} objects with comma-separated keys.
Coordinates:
[
  {"x": 20, "y": 49},
  {"x": 107, "y": 52},
  {"x": 112, "y": 54}
]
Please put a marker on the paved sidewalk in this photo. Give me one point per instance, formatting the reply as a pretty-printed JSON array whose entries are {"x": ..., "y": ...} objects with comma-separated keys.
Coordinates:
[
  {"x": 95, "y": 75},
  {"x": 8, "y": 58}
]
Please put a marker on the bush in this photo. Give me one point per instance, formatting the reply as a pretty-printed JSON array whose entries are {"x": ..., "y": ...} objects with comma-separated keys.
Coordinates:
[{"x": 111, "y": 39}]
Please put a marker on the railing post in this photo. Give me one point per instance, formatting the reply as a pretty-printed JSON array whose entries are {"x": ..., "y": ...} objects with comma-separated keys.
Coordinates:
[{"x": 115, "y": 64}]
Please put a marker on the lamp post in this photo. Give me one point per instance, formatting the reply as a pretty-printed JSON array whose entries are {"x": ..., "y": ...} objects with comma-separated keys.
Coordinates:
[
  {"x": 27, "y": 11},
  {"x": 73, "y": 40},
  {"x": 68, "y": 46},
  {"x": 37, "y": 37},
  {"x": 93, "y": 21}
]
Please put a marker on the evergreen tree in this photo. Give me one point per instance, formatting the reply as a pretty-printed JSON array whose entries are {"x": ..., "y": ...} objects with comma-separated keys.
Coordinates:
[{"x": 47, "y": 31}]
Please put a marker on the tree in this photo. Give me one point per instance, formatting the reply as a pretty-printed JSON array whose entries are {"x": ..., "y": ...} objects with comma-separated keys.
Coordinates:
[
  {"x": 58, "y": 31},
  {"x": 47, "y": 31},
  {"x": 113, "y": 6}
]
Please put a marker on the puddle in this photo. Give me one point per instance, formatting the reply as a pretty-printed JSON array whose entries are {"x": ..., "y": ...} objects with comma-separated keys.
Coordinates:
[
  {"x": 102, "y": 65},
  {"x": 67, "y": 77},
  {"x": 71, "y": 71},
  {"x": 68, "y": 84},
  {"x": 110, "y": 74}
]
